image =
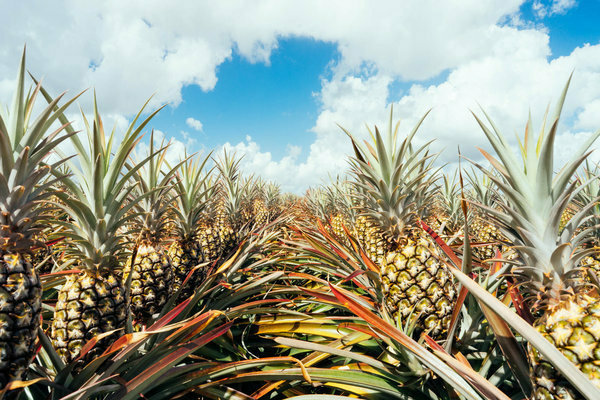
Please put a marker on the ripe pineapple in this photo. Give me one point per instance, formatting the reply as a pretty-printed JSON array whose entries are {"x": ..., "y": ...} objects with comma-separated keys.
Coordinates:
[
  {"x": 24, "y": 145},
  {"x": 535, "y": 198},
  {"x": 185, "y": 252},
  {"x": 232, "y": 192},
  {"x": 480, "y": 227},
  {"x": 397, "y": 186},
  {"x": 152, "y": 273},
  {"x": 99, "y": 199}
]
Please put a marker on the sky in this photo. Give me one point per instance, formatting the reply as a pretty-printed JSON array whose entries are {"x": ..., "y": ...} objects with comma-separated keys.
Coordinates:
[{"x": 275, "y": 80}]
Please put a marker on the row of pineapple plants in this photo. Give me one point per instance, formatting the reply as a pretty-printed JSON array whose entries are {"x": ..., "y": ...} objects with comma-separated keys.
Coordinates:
[
  {"x": 109, "y": 218},
  {"x": 361, "y": 275}
]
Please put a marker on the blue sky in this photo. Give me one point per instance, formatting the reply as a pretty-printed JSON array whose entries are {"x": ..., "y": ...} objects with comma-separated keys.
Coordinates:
[
  {"x": 272, "y": 80},
  {"x": 274, "y": 102}
]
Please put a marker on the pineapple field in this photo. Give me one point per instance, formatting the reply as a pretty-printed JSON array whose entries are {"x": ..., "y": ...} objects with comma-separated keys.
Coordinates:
[{"x": 126, "y": 276}]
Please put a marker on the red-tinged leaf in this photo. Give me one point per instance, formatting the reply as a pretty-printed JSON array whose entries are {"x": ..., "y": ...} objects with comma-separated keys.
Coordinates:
[
  {"x": 512, "y": 351},
  {"x": 226, "y": 285},
  {"x": 201, "y": 320},
  {"x": 89, "y": 345},
  {"x": 445, "y": 248},
  {"x": 54, "y": 241},
  {"x": 353, "y": 275},
  {"x": 359, "y": 328},
  {"x": 168, "y": 317},
  {"x": 519, "y": 303},
  {"x": 462, "y": 295},
  {"x": 138, "y": 383},
  {"x": 497, "y": 265},
  {"x": 432, "y": 343},
  {"x": 61, "y": 273}
]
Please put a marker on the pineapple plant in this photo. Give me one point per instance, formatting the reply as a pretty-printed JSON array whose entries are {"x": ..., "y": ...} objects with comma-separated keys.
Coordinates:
[
  {"x": 24, "y": 145},
  {"x": 586, "y": 199},
  {"x": 273, "y": 201},
  {"x": 486, "y": 235},
  {"x": 417, "y": 286},
  {"x": 98, "y": 201},
  {"x": 450, "y": 214},
  {"x": 185, "y": 251},
  {"x": 151, "y": 272},
  {"x": 208, "y": 234},
  {"x": 567, "y": 309},
  {"x": 230, "y": 217}
]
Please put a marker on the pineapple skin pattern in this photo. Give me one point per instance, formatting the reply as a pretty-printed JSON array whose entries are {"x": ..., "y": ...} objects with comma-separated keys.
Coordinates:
[
  {"x": 151, "y": 281},
  {"x": 20, "y": 306},
  {"x": 88, "y": 305},
  {"x": 572, "y": 325},
  {"x": 417, "y": 283}
]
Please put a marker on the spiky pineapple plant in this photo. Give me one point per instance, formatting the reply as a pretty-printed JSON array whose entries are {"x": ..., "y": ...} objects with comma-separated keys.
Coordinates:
[
  {"x": 98, "y": 202},
  {"x": 534, "y": 199},
  {"x": 449, "y": 213},
  {"x": 232, "y": 193},
  {"x": 25, "y": 144},
  {"x": 486, "y": 236},
  {"x": 417, "y": 286},
  {"x": 185, "y": 251},
  {"x": 151, "y": 278}
]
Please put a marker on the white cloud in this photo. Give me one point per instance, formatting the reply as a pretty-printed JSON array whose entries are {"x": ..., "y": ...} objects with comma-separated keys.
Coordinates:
[
  {"x": 554, "y": 7},
  {"x": 130, "y": 50},
  {"x": 194, "y": 123}
]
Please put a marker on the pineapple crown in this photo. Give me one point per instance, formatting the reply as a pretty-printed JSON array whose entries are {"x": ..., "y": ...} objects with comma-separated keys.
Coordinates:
[
  {"x": 450, "y": 201},
  {"x": 393, "y": 178},
  {"x": 99, "y": 199},
  {"x": 340, "y": 195},
  {"x": 482, "y": 190},
  {"x": 153, "y": 184},
  {"x": 24, "y": 183},
  {"x": 589, "y": 194},
  {"x": 535, "y": 198},
  {"x": 190, "y": 190}
]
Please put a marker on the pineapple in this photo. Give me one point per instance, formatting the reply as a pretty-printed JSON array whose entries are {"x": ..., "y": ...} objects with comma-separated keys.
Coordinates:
[
  {"x": 24, "y": 145},
  {"x": 535, "y": 198},
  {"x": 485, "y": 234},
  {"x": 98, "y": 200},
  {"x": 230, "y": 219},
  {"x": 152, "y": 273},
  {"x": 186, "y": 252},
  {"x": 450, "y": 214},
  {"x": 417, "y": 286},
  {"x": 273, "y": 201}
]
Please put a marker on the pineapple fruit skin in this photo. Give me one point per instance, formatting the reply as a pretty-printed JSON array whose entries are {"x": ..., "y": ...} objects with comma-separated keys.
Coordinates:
[
  {"x": 151, "y": 281},
  {"x": 572, "y": 325},
  {"x": 88, "y": 304},
  {"x": 20, "y": 306},
  {"x": 210, "y": 243},
  {"x": 415, "y": 282},
  {"x": 185, "y": 255}
]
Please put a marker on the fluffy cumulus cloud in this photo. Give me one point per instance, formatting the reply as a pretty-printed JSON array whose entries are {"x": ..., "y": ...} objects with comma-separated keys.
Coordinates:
[
  {"x": 194, "y": 123},
  {"x": 486, "y": 55}
]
